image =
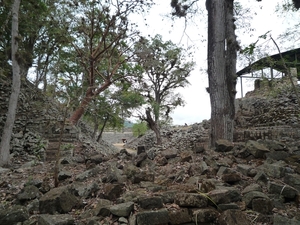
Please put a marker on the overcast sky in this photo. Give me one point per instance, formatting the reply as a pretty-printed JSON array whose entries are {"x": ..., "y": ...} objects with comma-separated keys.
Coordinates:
[{"x": 197, "y": 99}]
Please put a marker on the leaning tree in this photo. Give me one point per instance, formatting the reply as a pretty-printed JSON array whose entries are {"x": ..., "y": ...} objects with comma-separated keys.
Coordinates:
[{"x": 102, "y": 36}]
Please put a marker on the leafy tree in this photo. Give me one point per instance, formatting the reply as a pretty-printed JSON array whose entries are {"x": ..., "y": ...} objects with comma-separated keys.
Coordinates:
[
  {"x": 16, "y": 85},
  {"x": 102, "y": 37},
  {"x": 31, "y": 17},
  {"x": 112, "y": 106},
  {"x": 166, "y": 69},
  {"x": 139, "y": 128}
]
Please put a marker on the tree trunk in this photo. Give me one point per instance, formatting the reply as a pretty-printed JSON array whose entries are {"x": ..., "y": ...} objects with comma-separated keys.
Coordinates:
[
  {"x": 96, "y": 126},
  {"x": 102, "y": 128},
  {"x": 153, "y": 126},
  {"x": 90, "y": 94},
  {"x": 16, "y": 85},
  {"x": 221, "y": 68}
]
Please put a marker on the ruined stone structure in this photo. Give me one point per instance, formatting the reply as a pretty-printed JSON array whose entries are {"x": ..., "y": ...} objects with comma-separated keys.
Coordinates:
[
  {"x": 271, "y": 112},
  {"x": 38, "y": 122}
]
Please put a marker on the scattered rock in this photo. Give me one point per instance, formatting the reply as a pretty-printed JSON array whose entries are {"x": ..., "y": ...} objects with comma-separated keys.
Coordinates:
[{"x": 59, "y": 200}]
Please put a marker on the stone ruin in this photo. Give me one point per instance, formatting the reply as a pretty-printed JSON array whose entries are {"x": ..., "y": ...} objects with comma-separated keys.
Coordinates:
[
  {"x": 254, "y": 180},
  {"x": 38, "y": 125}
]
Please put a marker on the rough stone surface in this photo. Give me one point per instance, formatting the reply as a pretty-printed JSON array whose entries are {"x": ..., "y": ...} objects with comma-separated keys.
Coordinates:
[
  {"x": 122, "y": 209},
  {"x": 153, "y": 217},
  {"x": 61, "y": 219},
  {"x": 13, "y": 215},
  {"x": 191, "y": 200},
  {"x": 256, "y": 180},
  {"x": 58, "y": 200}
]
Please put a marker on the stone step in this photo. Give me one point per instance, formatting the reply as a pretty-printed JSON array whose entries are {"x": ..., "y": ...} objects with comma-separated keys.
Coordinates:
[{"x": 52, "y": 149}]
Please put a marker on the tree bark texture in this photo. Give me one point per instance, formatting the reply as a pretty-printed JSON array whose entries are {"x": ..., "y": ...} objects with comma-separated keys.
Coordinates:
[
  {"x": 221, "y": 68},
  {"x": 16, "y": 85},
  {"x": 90, "y": 94},
  {"x": 153, "y": 126}
]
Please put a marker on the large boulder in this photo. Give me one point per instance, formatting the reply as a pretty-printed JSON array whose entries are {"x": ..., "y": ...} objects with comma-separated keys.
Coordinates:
[
  {"x": 13, "y": 215},
  {"x": 58, "y": 200}
]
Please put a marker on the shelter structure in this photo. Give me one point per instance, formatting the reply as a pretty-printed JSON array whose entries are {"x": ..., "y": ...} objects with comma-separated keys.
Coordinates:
[{"x": 281, "y": 62}]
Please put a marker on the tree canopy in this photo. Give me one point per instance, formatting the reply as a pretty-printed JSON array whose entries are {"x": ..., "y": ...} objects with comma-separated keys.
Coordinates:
[{"x": 166, "y": 68}]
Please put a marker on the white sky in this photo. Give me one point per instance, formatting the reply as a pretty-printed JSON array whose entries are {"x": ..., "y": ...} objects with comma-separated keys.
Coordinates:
[{"x": 197, "y": 99}]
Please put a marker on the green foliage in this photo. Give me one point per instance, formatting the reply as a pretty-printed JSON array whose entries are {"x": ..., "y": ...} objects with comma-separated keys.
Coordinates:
[
  {"x": 139, "y": 129},
  {"x": 67, "y": 146},
  {"x": 166, "y": 68}
]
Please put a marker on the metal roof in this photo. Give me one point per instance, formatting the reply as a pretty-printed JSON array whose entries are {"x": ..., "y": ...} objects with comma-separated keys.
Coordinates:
[{"x": 291, "y": 59}]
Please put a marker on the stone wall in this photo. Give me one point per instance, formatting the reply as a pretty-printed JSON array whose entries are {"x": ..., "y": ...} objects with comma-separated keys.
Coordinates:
[
  {"x": 271, "y": 111},
  {"x": 38, "y": 121}
]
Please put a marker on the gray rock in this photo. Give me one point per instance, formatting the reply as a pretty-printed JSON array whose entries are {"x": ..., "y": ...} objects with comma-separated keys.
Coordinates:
[
  {"x": 61, "y": 219},
  {"x": 112, "y": 191},
  {"x": 102, "y": 208},
  {"x": 224, "y": 195},
  {"x": 123, "y": 209},
  {"x": 244, "y": 169},
  {"x": 231, "y": 177},
  {"x": 261, "y": 178},
  {"x": 150, "y": 186},
  {"x": 233, "y": 217},
  {"x": 33, "y": 206},
  {"x": 63, "y": 175},
  {"x": 186, "y": 156},
  {"x": 256, "y": 149},
  {"x": 87, "y": 174},
  {"x": 207, "y": 215},
  {"x": 252, "y": 187},
  {"x": 150, "y": 202},
  {"x": 293, "y": 180},
  {"x": 248, "y": 197},
  {"x": 97, "y": 159},
  {"x": 179, "y": 216},
  {"x": 191, "y": 200},
  {"x": 123, "y": 220},
  {"x": 168, "y": 196},
  {"x": 85, "y": 190},
  {"x": 13, "y": 215},
  {"x": 281, "y": 189},
  {"x": 142, "y": 176},
  {"x": 277, "y": 155},
  {"x": 262, "y": 205},
  {"x": 169, "y": 153},
  {"x": 153, "y": 217},
  {"x": 274, "y": 170},
  {"x": 223, "y": 145},
  {"x": 281, "y": 220},
  {"x": 28, "y": 192},
  {"x": 228, "y": 206},
  {"x": 140, "y": 158},
  {"x": 198, "y": 168},
  {"x": 4, "y": 170},
  {"x": 113, "y": 174},
  {"x": 58, "y": 200},
  {"x": 273, "y": 145}
]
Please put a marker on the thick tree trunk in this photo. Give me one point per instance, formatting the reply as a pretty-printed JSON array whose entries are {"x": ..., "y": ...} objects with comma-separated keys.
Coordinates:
[
  {"x": 221, "y": 69},
  {"x": 16, "y": 85},
  {"x": 153, "y": 126}
]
